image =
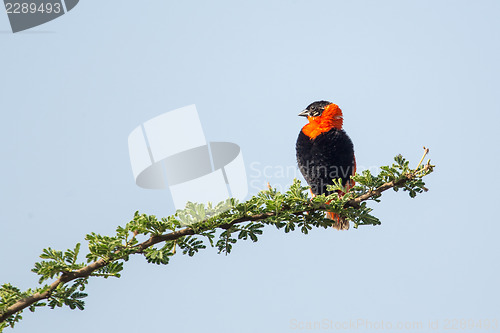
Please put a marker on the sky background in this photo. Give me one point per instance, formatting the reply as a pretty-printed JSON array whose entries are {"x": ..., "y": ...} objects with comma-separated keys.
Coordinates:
[{"x": 405, "y": 73}]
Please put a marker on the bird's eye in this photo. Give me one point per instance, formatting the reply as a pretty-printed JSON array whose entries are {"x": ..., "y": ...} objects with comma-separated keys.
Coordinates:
[{"x": 313, "y": 108}]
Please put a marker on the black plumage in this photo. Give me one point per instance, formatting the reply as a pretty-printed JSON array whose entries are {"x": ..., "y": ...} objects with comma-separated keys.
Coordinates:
[{"x": 327, "y": 156}]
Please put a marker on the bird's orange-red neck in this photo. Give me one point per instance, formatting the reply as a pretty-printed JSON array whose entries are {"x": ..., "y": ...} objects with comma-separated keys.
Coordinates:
[{"x": 330, "y": 118}]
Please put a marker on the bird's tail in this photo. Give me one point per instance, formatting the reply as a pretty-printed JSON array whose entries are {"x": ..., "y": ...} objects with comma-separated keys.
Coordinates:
[{"x": 340, "y": 222}]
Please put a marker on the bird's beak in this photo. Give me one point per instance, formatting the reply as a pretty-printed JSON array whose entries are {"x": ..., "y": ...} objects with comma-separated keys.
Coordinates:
[{"x": 304, "y": 113}]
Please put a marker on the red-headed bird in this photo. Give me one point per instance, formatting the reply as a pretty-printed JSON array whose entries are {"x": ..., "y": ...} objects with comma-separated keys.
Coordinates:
[{"x": 325, "y": 152}]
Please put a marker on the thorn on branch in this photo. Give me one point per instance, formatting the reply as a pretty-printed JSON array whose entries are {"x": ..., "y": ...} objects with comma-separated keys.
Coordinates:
[{"x": 426, "y": 151}]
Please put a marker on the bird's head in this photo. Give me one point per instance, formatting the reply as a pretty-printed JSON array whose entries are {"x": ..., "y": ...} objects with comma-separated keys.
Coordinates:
[{"x": 322, "y": 116}]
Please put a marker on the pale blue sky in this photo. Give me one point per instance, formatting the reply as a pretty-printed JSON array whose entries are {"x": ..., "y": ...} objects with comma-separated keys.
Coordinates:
[{"x": 406, "y": 74}]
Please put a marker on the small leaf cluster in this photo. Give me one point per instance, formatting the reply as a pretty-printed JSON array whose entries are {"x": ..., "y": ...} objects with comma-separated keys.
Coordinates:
[
  {"x": 57, "y": 262},
  {"x": 160, "y": 255},
  {"x": 413, "y": 183},
  {"x": 9, "y": 295},
  {"x": 70, "y": 296}
]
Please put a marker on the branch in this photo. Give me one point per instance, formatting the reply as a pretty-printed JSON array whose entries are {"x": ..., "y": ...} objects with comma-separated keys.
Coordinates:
[
  {"x": 268, "y": 207},
  {"x": 86, "y": 272},
  {"x": 386, "y": 186}
]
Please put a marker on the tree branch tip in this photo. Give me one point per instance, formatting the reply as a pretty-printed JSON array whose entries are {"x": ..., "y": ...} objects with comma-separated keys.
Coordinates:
[{"x": 426, "y": 151}]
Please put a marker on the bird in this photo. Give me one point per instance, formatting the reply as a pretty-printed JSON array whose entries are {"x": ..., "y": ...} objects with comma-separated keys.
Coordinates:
[{"x": 325, "y": 152}]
